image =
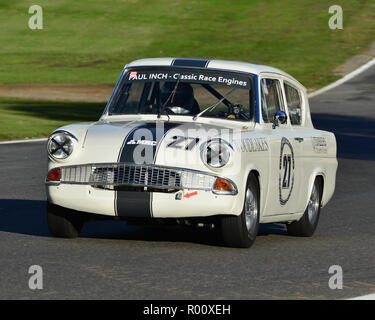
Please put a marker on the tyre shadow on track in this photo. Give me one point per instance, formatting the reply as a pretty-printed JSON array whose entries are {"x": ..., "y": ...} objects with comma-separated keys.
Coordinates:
[
  {"x": 28, "y": 217},
  {"x": 119, "y": 230},
  {"x": 111, "y": 230},
  {"x": 355, "y": 135}
]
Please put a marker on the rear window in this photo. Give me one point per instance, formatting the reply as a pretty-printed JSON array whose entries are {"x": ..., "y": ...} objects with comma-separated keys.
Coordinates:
[{"x": 294, "y": 103}]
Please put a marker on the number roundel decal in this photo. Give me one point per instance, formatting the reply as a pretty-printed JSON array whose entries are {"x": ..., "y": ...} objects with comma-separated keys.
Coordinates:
[{"x": 286, "y": 171}]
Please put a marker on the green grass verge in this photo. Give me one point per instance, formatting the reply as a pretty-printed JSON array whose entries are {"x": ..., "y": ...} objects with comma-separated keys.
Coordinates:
[
  {"x": 89, "y": 42},
  {"x": 20, "y": 118}
]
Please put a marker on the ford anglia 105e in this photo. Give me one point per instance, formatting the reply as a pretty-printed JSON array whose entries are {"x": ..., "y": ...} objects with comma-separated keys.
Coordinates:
[{"x": 223, "y": 144}]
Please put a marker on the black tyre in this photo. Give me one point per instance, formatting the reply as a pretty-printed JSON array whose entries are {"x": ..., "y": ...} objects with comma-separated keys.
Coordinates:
[
  {"x": 306, "y": 226},
  {"x": 241, "y": 231},
  {"x": 64, "y": 223}
]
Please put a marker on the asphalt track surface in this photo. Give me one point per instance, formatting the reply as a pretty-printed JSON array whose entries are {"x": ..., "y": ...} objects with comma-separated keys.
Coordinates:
[{"x": 111, "y": 260}]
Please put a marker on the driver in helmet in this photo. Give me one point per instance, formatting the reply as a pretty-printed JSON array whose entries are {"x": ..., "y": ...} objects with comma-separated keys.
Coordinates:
[{"x": 182, "y": 102}]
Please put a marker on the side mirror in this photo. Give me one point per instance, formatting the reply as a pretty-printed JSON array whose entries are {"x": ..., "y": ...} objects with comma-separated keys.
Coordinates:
[{"x": 280, "y": 117}]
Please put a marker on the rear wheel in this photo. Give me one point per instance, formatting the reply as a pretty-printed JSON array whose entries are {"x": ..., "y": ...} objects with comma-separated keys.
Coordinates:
[
  {"x": 306, "y": 226},
  {"x": 241, "y": 231},
  {"x": 62, "y": 222}
]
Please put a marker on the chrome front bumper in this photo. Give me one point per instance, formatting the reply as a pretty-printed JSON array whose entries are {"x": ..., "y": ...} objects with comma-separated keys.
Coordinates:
[{"x": 140, "y": 175}]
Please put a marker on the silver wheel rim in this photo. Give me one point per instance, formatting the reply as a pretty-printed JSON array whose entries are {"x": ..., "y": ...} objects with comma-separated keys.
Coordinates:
[
  {"x": 313, "y": 206},
  {"x": 251, "y": 211}
]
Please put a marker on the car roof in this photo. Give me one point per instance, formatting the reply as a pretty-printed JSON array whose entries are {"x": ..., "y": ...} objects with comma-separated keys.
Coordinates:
[{"x": 225, "y": 65}]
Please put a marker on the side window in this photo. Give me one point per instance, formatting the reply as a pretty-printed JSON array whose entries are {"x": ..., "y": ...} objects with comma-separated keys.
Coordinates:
[
  {"x": 293, "y": 100},
  {"x": 271, "y": 102}
]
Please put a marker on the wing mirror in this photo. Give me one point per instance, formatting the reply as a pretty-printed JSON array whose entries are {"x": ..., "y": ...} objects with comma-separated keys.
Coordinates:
[{"x": 280, "y": 117}]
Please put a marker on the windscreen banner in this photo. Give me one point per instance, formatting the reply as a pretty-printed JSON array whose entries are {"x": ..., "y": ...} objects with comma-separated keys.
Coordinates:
[{"x": 199, "y": 76}]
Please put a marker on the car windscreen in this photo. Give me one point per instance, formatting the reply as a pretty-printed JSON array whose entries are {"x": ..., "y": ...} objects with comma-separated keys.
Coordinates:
[{"x": 205, "y": 93}]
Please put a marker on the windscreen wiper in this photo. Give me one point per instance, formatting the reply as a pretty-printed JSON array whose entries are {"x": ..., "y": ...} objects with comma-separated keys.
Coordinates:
[
  {"x": 171, "y": 97},
  {"x": 210, "y": 108}
]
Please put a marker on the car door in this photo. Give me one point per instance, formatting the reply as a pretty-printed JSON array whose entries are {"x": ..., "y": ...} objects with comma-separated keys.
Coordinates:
[
  {"x": 310, "y": 143},
  {"x": 284, "y": 169}
]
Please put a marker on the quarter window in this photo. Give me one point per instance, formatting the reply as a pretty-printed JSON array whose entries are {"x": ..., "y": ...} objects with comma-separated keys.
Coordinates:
[
  {"x": 293, "y": 100},
  {"x": 271, "y": 102}
]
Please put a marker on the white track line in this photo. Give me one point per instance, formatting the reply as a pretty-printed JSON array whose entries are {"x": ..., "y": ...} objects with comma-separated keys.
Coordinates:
[
  {"x": 367, "y": 297},
  {"x": 313, "y": 94},
  {"x": 349, "y": 76},
  {"x": 23, "y": 141}
]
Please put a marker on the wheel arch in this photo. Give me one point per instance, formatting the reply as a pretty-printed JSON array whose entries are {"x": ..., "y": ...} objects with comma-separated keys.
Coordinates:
[
  {"x": 318, "y": 174},
  {"x": 251, "y": 168},
  {"x": 256, "y": 173},
  {"x": 320, "y": 177}
]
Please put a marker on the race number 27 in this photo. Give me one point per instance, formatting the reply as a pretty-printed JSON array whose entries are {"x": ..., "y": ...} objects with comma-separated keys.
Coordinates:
[{"x": 287, "y": 163}]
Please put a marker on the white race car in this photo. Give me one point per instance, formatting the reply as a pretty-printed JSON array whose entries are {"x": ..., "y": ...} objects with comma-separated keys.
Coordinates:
[{"x": 214, "y": 143}]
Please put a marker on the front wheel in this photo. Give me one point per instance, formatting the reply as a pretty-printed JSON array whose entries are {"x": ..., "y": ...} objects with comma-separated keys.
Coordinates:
[
  {"x": 64, "y": 223},
  {"x": 306, "y": 226},
  {"x": 241, "y": 231}
]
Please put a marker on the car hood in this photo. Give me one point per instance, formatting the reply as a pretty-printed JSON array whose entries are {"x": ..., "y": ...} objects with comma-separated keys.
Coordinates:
[{"x": 171, "y": 143}]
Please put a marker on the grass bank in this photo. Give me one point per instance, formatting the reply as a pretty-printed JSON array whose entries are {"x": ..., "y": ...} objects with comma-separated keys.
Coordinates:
[{"x": 89, "y": 43}]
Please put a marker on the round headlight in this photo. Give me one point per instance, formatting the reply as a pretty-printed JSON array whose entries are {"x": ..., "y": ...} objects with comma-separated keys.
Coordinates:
[
  {"x": 216, "y": 153},
  {"x": 60, "y": 146}
]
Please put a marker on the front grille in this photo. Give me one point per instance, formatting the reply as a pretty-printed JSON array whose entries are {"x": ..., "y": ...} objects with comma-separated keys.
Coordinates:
[
  {"x": 125, "y": 174},
  {"x": 136, "y": 175}
]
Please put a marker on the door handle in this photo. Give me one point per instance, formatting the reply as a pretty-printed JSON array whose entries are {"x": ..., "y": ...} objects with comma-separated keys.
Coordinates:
[{"x": 299, "y": 139}]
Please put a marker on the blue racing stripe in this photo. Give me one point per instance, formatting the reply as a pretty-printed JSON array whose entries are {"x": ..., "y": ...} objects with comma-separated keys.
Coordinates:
[{"x": 135, "y": 203}]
